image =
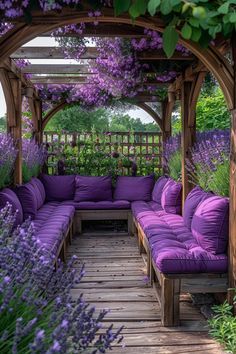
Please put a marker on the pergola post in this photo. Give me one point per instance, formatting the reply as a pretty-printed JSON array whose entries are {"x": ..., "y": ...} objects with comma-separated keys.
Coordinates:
[
  {"x": 167, "y": 108},
  {"x": 232, "y": 201},
  {"x": 16, "y": 130},
  {"x": 35, "y": 106}
]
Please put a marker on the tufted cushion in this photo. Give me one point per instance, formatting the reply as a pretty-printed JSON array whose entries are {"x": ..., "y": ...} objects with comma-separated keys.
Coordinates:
[
  {"x": 134, "y": 188},
  {"x": 175, "y": 250},
  {"x": 210, "y": 224},
  {"x": 194, "y": 198},
  {"x": 27, "y": 196},
  {"x": 90, "y": 188},
  {"x": 158, "y": 188},
  {"x": 102, "y": 205},
  {"x": 58, "y": 188},
  {"x": 171, "y": 197},
  {"x": 8, "y": 196}
]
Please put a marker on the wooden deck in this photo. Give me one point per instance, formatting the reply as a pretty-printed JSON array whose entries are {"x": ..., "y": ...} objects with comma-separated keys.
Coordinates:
[{"x": 115, "y": 279}]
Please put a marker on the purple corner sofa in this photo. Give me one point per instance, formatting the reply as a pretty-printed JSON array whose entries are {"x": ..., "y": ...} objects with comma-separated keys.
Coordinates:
[{"x": 185, "y": 253}]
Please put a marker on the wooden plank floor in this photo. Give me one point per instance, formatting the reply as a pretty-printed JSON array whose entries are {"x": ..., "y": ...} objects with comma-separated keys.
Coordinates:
[{"x": 115, "y": 279}]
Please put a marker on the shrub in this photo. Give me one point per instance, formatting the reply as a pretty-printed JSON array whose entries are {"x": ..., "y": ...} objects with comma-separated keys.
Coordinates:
[
  {"x": 8, "y": 155},
  {"x": 223, "y": 326},
  {"x": 37, "y": 314},
  {"x": 33, "y": 156},
  {"x": 172, "y": 157}
]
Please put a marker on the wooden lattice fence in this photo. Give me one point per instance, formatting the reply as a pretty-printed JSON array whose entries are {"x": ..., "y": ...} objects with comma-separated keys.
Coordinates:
[{"x": 81, "y": 151}]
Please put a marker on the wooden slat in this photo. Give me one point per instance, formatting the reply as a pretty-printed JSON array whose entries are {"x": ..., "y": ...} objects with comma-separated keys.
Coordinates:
[
  {"x": 91, "y": 53},
  {"x": 118, "y": 283}
]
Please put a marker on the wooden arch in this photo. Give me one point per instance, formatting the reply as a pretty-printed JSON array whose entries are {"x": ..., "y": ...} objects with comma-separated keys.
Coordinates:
[
  {"x": 41, "y": 23},
  {"x": 62, "y": 105}
]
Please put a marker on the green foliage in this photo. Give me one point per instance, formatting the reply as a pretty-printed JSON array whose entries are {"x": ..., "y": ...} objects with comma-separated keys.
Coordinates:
[
  {"x": 174, "y": 165},
  {"x": 223, "y": 326},
  {"x": 75, "y": 119},
  {"x": 212, "y": 111},
  {"x": 198, "y": 20},
  {"x": 214, "y": 181},
  {"x": 3, "y": 124}
]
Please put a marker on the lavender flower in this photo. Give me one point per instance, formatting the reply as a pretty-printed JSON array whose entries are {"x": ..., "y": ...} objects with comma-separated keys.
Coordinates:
[{"x": 8, "y": 155}]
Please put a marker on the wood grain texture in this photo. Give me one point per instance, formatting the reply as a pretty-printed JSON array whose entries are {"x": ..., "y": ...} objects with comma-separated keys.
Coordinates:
[{"x": 115, "y": 279}]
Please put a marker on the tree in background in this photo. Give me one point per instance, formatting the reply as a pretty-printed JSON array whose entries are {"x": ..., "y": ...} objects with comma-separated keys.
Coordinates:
[
  {"x": 3, "y": 124},
  {"x": 75, "y": 119}
]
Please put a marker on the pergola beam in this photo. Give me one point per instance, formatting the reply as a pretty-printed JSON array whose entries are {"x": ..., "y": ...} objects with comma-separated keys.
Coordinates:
[{"x": 91, "y": 53}]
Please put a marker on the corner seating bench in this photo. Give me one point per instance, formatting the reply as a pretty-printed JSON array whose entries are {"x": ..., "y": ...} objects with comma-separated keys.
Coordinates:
[
  {"x": 184, "y": 254},
  {"x": 181, "y": 257}
]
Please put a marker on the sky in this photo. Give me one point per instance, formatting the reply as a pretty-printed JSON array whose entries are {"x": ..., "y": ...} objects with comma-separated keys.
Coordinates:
[{"x": 48, "y": 41}]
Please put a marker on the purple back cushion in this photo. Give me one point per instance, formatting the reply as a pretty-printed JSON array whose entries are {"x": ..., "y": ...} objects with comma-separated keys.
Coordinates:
[
  {"x": 7, "y": 195},
  {"x": 27, "y": 196},
  {"x": 134, "y": 188},
  {"x": 158, "y": 188},
  {"x": 39, "y": 185},
  {"x": 194, "y": 198},
  {"x": 37, "y": 193},
  {"x": 210, "y": 224},
  {"x": 90, "y": 188},
  {"x": 58, "y": 188},
  {"x": 171, "y": 197}
]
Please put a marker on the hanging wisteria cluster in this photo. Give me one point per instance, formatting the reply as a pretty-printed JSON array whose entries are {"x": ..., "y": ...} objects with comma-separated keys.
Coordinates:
[{"x": 37, "y": 312}]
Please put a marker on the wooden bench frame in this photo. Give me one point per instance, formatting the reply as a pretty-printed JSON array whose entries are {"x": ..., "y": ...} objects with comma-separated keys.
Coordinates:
[
  {"x": 169, "y": 286},
  {"x": 95, "y": 214},
  {"x": 67, "y": 240}
]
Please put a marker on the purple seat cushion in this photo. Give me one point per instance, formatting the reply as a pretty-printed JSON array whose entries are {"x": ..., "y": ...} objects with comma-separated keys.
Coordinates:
[
  {"x": 94, "y": 189},
  {"x": 142, "y": 209},
  {"x": 102, "y": 205},
  {"x": 171, "y": 197},
  {"x": 175, "y": 250},
  {"x": 134, "y": 188},
  {"x": 158, "y": 188},
  {"x": 8, "y": 196},
  {"x": 58, "y": 188},
  {"x": 194, "y": 198},
  {"x": 27, "y": 196},
  {"x": 210, "y": 224}
]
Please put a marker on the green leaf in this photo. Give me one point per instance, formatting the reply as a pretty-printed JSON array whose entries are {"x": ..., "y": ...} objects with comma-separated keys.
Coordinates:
[
  {"x": 232, "y": 17},
  {"x": 186, "y": 31},
  {"x": 170, "y": 39},
  {"x": 196, "y": 34},
  {"x": 194, "y": 22},
  {"x": 199, "y": 12},
  {"x": 224, "y": 8},
  {"x": 121, "y": 6},
  {"x": 152, "y": 6},
  {"x": 185, "y": 7},
  {"x": 166, "y": 7},
  {"x": 133, "y": 11},
  {"x": 141, "y": 6}
]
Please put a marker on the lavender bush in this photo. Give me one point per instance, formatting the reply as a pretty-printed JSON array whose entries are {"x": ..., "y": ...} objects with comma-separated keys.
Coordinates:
[
  {"x": 209, "y": 165},
  {"x": 8, "y": 155},
  {"x": 34, "y": 156},
  {"x": 37, "y": 314}
]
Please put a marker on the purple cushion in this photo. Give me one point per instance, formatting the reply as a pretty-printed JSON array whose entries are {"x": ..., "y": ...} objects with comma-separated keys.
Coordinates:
[
  {"x": 158, "y": 188},
  {"x": 39, "y": 185},
  {"x": 27, "y": 197},
  {"x": 58, "y": 188},
  {"x": 171, "y": 197},
  {"x": 194, "y": 198},
  {"x": 90, "y": 188},
  {"x": 102, "y": 205},
  {"x": 210, "y": 224},
  {"x": 134, "y": 188},
  {"x": 8, "y": 196}
]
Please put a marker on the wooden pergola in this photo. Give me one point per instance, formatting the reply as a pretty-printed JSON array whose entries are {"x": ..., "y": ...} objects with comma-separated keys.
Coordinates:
[{"x": 185, "y": 87}]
